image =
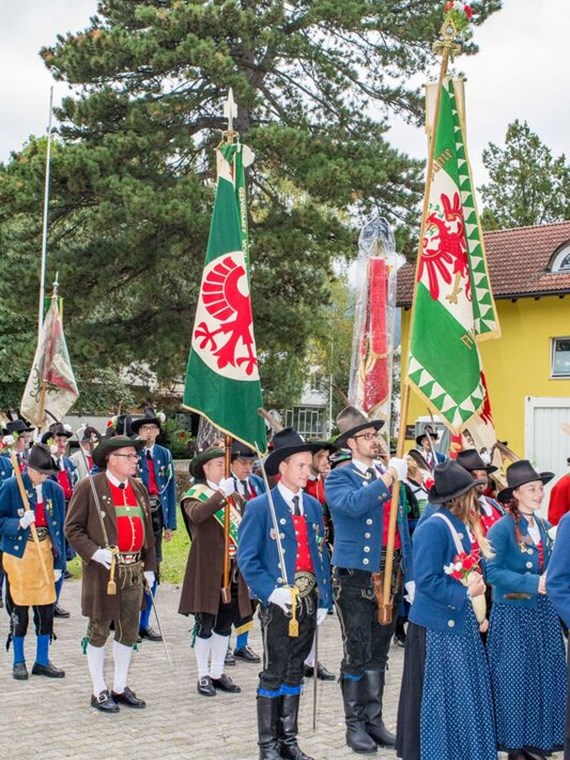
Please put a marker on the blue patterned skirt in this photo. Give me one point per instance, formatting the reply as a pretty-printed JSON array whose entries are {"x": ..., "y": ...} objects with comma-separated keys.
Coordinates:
[
  {"x": 456, "y": 716},
  {"x": 528, "y": 676}
]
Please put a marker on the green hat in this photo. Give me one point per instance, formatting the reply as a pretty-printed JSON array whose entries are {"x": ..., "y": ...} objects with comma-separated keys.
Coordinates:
[
  {"x": 196, "y": 466},
  {"x": 109, "y": 445}
]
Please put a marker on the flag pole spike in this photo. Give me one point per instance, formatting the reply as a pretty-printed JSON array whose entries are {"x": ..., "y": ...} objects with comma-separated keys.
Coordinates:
[
  {"x": 447, "y": 47},
  {"x": 230, "y": 112}
]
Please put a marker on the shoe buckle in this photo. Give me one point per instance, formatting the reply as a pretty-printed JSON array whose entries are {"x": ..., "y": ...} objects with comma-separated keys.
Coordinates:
[{"x": 102, "y": 697}]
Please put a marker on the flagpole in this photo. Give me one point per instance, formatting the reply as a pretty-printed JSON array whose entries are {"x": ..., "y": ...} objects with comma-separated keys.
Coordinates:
[
  {"x": 45, "y": 220},
  {"x": 445, "y": 46}
]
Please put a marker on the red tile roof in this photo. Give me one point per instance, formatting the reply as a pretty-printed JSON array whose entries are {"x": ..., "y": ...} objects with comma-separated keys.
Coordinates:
[{"x": 518, "y": 262}]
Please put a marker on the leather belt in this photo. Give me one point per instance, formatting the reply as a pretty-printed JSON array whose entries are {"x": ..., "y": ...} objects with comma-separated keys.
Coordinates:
[
  {"x": 124, "y": 558},
  {"x": 43, "y": 533}
]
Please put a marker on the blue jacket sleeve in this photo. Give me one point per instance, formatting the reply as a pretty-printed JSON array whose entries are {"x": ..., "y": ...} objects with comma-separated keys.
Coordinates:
[
  {"x": 9, "y": 505},
  {"x": 252, "y": 532},
  {"x": 344, "y": 498},
  {"x": 431, "y": 554},
  {"x": 171, "y": 495},
  {"x": 558, "y": 576}
]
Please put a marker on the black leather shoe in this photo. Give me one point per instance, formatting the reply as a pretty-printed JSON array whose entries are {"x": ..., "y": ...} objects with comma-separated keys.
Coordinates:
[
  {"x": 531, "y": 754},
  {"x": 230, "y": 659},
  {"x": 104, "y": 702},
  {"x": 206, "y": 687},
  {"x": 67, "y": 575},
  {"x": 400, "y": 640},
  {"x": 48, "y": 670},
  {"x": 128, "y": 698},
  {"x": 60, "y": 612},
  {"x": 20, "y": 671},
  {"x": 225, "y": 683},
  {"x": 322, "y": 673},
  {"x": 247, "y": 654},
  {"x": 150, "y": 634}
]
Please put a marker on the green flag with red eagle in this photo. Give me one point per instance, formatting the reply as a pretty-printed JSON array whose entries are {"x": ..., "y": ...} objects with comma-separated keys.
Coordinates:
[
  {"x": 222, "y": 377},
  {"x": 453, "y": 304}
]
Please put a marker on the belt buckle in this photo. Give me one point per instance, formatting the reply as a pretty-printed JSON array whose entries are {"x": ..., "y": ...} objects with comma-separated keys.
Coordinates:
[{"x": 305, "y": 582}]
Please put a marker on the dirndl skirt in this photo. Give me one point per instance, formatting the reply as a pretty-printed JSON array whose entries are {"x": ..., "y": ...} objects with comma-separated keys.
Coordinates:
[
  {"x": 457, "y": 721},
  {"x": 528, "y": 676}
]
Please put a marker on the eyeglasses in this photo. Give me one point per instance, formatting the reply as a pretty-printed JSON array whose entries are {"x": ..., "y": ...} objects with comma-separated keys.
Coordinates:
[
  {"x": 127, "y": 456},
  {"x": 366, "y": 436}
]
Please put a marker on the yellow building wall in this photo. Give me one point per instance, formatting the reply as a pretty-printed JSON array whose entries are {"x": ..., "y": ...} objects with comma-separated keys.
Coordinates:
[{"x": 516, "y": 365}]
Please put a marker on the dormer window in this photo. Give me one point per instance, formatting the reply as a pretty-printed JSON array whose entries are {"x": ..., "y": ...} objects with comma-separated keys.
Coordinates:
[{"x": 561, "y": 260}]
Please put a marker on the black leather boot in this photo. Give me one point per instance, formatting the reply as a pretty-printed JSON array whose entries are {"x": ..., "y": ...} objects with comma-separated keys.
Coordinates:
[
  {"x": 373, "y": 686},
  {"x": 356, "y": 736},
  {"x": 288, "y": 728},
  {"x": 267, "y": 726}
]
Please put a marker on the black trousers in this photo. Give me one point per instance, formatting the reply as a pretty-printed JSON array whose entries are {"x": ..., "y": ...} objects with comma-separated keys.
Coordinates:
[
  {"x": 365, "y": 642},
  {"x": 284, "y": 655},
  {"x": 409, "y": 707},
  {"x": 228, "y": 615},
  {"x": 20, "y": 617}
]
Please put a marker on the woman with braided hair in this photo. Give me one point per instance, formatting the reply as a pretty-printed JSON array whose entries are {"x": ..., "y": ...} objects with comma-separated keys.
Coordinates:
[{"x": 525, "y": 644}]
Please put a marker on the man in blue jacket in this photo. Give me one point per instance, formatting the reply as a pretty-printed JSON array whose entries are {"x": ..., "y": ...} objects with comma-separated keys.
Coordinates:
[
  {"x": 558, "y": 589},
  {"x": 26, "y": 583},
  {"x": 299, "y": 527},
  {"x": 156, "y": 470},
  {"x": 359, "y": 497}
]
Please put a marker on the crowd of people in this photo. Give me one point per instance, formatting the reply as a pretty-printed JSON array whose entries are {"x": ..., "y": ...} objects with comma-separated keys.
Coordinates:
[{"x": 479, "y": 590}]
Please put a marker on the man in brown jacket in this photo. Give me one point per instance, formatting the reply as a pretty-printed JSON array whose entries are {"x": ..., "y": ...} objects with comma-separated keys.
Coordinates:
[
  {"x": 127, "y": 540},
  {"x": 203, "y": 504}
]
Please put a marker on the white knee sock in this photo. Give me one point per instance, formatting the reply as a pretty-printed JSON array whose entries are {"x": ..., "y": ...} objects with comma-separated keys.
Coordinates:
[
  {"x": 202, "y": 649},
  {"x": 96, "y": 663},
  {"x": 122, "y": 657},
  {"x": 219, "y": 650}
]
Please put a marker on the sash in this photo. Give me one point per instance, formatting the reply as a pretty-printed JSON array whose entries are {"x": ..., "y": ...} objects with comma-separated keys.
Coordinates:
[{"x": 202, "y": 492}]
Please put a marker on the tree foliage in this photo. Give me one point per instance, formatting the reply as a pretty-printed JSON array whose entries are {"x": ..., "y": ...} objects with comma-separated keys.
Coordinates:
[
  {"x": 133, "y": 168},
  {"x": 528, "y": 185}
]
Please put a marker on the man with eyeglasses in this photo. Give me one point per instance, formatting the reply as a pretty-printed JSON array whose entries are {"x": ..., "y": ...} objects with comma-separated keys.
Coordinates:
[
  {"x": 120, "y": 503},
  {"x": 157, "y": 473},
  {"x": 358, "y": 496}
]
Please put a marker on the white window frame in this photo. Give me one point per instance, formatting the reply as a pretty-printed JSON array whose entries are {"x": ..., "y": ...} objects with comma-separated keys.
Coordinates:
[
  {"x": 553, "y": 358},
  {"x": 559, "y": 258}
]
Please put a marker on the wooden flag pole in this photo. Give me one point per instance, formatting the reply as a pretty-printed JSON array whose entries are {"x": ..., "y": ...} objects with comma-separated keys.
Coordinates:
[{"x": 446, "y": 46}]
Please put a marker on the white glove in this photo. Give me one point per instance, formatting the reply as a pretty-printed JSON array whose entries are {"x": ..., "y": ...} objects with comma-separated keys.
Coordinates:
[
  {"x": 56, "y": 574},
  {"x": 282, "y": 597},
  {"x": 227, "y": 485},
  {"x": 322, "y": 612},
  {"x": 401, "y": 467},
  {"x": 410, "y": 587},
  {"x": 27, "y": 519},
  {"x": 149, "y": 577},
  {"x": 104, "y": 557}
]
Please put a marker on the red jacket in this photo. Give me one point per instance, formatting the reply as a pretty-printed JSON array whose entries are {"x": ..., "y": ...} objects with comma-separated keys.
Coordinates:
[{"x": 559, "y": 500}]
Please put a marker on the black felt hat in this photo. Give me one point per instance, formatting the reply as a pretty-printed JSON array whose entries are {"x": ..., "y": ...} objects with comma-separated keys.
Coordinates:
[
  {"x": 428, "y": 430},
  {"x": 518, "y": 474},
  {"x": 18, "y": 426},
  {"x": 58, "y": 428},
  {"x": 471, "y": 460},
  {"x": 350, "y": 421},
  {"x": 287, "y": 442},
  {"x": 451, "y": 480},
  {"x": 107, "y": 446},
  {"x": 241, "y": 451},
  {"x": 196, "y": 466},
  {"x": 40, "y": 459},
  {"x": 150, "y": 417}
]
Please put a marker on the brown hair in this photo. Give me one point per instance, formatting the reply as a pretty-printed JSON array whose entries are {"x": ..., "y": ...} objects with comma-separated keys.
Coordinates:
[
  {"x": 512, "y": 507},
  {"x": 465, "y": 508}
]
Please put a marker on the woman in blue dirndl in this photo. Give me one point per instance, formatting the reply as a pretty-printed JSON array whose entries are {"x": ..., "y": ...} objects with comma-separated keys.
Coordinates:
[
  {"x": 455, "y": 714},
  {"x": 525, "y": 644}
]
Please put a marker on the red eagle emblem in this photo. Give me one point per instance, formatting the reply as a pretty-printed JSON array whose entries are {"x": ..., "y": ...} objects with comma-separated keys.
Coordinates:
[
  {"x": 225, "y": 302},
  {"x": 444, "y": 244}
]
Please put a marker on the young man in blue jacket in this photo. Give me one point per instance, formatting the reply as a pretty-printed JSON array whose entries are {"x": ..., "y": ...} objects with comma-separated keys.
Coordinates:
[{"x": 300, "y": 529}]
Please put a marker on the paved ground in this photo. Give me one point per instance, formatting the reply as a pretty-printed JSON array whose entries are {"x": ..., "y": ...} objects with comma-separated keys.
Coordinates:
[{"x": 47, "y": 719}]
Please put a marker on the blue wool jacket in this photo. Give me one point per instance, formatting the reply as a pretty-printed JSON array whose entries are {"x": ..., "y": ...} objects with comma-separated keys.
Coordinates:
[
  {"x": 356, "y": 504},
  {"x": 440, "y": 601},
  {"x": 165, "y": 481},
  {"x": 558, "y": 578},
  {"x": 14, "y": 538},
  {"x": 6, "y": 469},
  {"x": 514, "y": 570},
  {"x": 257, "y": 556}
]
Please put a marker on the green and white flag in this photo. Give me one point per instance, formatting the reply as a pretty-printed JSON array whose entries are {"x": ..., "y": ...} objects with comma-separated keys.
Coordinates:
[
  {"x": 453, "y": 305},
  {"x": 222, "y": 377}
]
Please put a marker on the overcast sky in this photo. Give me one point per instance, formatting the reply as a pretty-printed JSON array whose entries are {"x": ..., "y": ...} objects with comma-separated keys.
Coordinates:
[{"x": 521, "y": 72}]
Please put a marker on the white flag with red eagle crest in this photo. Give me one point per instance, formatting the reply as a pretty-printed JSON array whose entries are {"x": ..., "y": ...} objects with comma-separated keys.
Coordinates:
[
  {"x": 222, "y": 377},
  {"x": 453, "y": 304}
]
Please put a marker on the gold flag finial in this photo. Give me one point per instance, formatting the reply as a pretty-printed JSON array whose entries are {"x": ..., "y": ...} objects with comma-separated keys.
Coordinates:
[
  {"x": 447, "y": 41},
  {"x": 230, "y": 112}
]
